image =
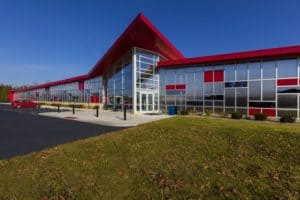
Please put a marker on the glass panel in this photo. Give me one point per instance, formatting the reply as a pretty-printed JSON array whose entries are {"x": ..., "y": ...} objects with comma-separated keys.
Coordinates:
[
  {"x": 199, "y": 86},
  {"x": 219, "y": 88},
  {"x": 144, "y": 99},
  {"x": 268, "y": 69},
  {"x": 208, "y": 88},
  {"x": 241, "y": 97},
  {"x": 190, "y": 86},
  {"x": 242, "y": 111},
  {"x": 219, "y": 110},
  {"x": 241, "y": 72},
  {"x": 269, "y": 89},
  {"x": 229, "y": 73},
  {"x": 229, "y": 110},
  {"x": 287, "y": 101},
  {"x": 219, "y": 103},
  {"x": 230, "y": 97},
  {"x": 254, "y": 90},
  {"x": 254, "y": 71},
  {"x": 287, "y": 68},
  {"x": 288, "y": 90},
  {"x": 170, "y": 100},
  {"x": 150, "y": 102}
]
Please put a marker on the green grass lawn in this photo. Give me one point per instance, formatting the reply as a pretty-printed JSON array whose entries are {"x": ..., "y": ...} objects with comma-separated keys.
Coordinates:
[{"x": 188, "y": 157}]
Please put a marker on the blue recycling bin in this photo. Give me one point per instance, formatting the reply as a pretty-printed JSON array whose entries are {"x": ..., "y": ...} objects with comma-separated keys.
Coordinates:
[{"x": 172, "y": 110}]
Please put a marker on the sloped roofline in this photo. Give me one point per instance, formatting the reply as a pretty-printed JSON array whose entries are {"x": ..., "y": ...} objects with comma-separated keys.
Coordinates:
[
  {"x": 280, "y": 52},
  {"x": 171, "y": 53},
  {"x": 53, "y": 83}
]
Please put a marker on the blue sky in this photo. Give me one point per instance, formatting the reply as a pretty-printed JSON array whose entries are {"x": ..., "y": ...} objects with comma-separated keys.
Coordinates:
[{"x": 55, "y": 39}]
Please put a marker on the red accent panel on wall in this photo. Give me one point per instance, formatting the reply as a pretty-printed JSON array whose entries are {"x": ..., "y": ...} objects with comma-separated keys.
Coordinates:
[
  {"x": 219, "y": 76},
  {"x": 283, "y": 82},
  {"x": 170, "y": 87},
  {"x": 94, "y": 99},
  {"x": 180, "y": 87},
  {"x": 208, "y": 76},
  {"x": 81, "y": 85},
  {"x": 253, "y": 111},
  {"x": 269, "y": 112}
]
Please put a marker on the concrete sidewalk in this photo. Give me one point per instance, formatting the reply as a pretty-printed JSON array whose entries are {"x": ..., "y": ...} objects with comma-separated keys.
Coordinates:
[{"x": 106, "y": 117}]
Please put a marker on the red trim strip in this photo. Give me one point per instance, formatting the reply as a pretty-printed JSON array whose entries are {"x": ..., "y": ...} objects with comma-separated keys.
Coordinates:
[
  {"x": 176, "y": 87},
  {"x": 283, "y": 82},
  {"x": 253, "y": 111},
  {"x": 180, "y": 87},
  {"x": 170, "y": 87}
]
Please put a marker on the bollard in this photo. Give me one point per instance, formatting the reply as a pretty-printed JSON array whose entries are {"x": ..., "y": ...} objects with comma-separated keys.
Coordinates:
[
  {"x": 124, "y": 109},
  {"x": 73, "y": 110},
  {"x": 58, "y": 108},
  {"x": 97, "y": 111}
]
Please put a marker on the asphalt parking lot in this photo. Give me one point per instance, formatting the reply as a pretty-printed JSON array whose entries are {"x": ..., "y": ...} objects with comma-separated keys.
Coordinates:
[{"x": 23, "y": 131}]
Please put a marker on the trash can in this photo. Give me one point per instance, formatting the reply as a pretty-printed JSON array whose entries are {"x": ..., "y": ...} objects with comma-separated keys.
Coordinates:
[{"x": 172, "y": 110}]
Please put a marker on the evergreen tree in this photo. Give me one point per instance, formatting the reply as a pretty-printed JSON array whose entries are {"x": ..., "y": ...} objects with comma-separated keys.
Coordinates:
[{"x": 4, "y": 92}]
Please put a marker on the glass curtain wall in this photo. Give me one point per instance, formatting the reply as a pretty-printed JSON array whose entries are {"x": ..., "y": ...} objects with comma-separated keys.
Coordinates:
[
  {"x": 119, "y": 83},
  {"x": 90, "y": 93},
  {"x": 270, "y": 87}
]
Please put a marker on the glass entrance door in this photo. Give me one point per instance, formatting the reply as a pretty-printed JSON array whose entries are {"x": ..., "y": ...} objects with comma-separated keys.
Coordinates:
[{"x": 147, "y": 102}]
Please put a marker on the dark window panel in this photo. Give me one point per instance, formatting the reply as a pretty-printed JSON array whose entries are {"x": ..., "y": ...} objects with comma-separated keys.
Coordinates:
[
  {"x": 236, "y": 84},
  {"x": 230, "y": 97},
  {"x": 208, "y": 103},
  {"x": 288, "y": 90},
  {"x": 194, "y": 103},
  {"x": 241, "y": 97},
  {"x": 262, "y": 104},
  {"x": 287, "y": 101},
  {"x": 219, "y": 103}
]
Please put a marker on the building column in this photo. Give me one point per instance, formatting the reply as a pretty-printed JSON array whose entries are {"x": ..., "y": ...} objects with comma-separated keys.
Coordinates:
[{"x": 134, "y": 97}]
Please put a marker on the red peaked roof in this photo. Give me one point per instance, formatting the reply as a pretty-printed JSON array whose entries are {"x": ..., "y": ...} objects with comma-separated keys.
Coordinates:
[
  {"x": 234, "y": 57},
  {"x": 140, "y": 33}
]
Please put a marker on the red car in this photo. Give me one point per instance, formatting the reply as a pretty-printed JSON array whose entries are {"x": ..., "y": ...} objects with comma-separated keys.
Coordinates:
[{"x": 24, "y": 104}]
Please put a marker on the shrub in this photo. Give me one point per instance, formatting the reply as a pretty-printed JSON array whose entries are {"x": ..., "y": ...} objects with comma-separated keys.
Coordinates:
[
  {"x": 236, "y": 115},
  {"x": 184, "y": 112},
  {"x": 208, "y": 113},
  {"x": 287, "y": 119},
  {"x": 260, "y": 116},
  {"x": 105, "y": 107}
]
